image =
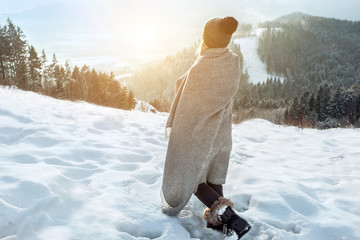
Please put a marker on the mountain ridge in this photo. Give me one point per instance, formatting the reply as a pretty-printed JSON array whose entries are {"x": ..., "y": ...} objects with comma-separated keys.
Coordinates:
[{"x": 294, "y": 17}]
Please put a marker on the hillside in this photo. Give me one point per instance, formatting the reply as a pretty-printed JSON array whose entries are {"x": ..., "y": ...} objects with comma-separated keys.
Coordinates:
[
  {"x": 155, "y": 81},
  {"x": 318, "y": 58},
  {"x": 73, "y": 170},
  {"x": 314, "y": 51},
  {"x": 253, "y": 66}
]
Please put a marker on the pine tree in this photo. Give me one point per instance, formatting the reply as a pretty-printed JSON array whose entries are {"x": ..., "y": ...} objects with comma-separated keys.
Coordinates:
[
  {"x": 335, "y": 108},
  {"x": 17, "y": 52},
  {"x": 311, "y": 103},
  {"x": 350, "y": 106},
  {"x": 59, "y": 77},
  {"x": 67, "y": 80},
  {"x": 22, "y": 76},
  {"x": 123, "y": 97},
  {"x": 74, "y": 86},
  {"x": 322, "y": 102},
  {"x": 131, "y": 100},
  {"x": 50, "y": 81},
  {"x": 294, "y": 112},
  {"x": 4, "y": 52},
  {"x": 286, "y": 116},
  {"x": 357, "y": 109},
  {"x": 303, "y": 107},
  {"x": 310, "y": 111},
  {"x": 44, "y": 69},
  {"x": 34, "y": 63},
  {"x": 84, "y": 82},
  {"x": 95, "y": 89}
]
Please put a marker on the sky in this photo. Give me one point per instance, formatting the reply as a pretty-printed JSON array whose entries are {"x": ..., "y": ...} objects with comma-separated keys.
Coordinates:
[{"x": 136, "y": 31}]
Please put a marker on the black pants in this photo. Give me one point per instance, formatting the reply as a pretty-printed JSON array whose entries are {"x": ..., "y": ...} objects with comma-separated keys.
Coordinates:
[{"x": 208, "y": 193}]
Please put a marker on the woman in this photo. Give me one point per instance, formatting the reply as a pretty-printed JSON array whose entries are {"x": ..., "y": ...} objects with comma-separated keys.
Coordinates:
[{"x": 200, "y": 142}]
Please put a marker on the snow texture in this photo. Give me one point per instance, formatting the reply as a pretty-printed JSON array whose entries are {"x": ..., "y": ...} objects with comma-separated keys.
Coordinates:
[
  {"x": 252, "y": 62},
  {"x": 144, "y": 107},
  {"x": 72, "y": 170}
]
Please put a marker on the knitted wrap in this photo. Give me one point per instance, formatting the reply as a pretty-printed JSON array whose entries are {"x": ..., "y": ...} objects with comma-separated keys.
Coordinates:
[{"x": 200, "y": 119}]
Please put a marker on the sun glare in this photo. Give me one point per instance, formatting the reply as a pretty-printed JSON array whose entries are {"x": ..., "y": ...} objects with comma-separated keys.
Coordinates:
[{"x": 145, "y": 38}]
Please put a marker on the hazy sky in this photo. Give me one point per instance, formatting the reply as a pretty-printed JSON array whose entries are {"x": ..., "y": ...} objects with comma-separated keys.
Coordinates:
[{"x": 87, "y": 30}]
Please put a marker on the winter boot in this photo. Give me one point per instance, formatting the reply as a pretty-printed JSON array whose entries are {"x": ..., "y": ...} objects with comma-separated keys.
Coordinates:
[
  {"x": 221, "y": 217},
  {"x": 234, "y": 223},
  {"x": 216, "y": 228}
]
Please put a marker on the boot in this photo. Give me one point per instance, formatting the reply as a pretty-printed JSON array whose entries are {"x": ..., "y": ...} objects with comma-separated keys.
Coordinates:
[
  {"x": 221, "y": 217},
  {"x": 216, "y": 228},
  {"x": 234, "y": 223}
]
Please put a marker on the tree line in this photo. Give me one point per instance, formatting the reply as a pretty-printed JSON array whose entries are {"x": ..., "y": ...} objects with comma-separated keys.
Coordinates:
[
  {"x": 21, "y": 66},
  {"x": 267, "y": 95},
  {"x": 328, "y": 108}
]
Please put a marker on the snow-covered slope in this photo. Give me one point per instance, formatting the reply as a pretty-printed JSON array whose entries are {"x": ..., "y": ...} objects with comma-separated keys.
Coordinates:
[
  {"x": 78, "y": 171},
  {"x": 252, "y": 62}
]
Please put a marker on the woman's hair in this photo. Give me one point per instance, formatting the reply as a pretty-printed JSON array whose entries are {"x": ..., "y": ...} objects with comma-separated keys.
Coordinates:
[{"x": 202, "y": 47}]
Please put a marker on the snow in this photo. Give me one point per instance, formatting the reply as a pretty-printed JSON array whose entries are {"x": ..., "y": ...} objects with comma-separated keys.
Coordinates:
[
  {"x": 252, "y": 62},
  {"x": 144, "y": 106},
  {"x": 123, "y": 76},
  {"x": 73, "y": 170}
]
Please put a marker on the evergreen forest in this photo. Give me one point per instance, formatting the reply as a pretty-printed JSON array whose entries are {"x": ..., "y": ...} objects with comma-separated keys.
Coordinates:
[
  {"x": 21, "y": 66},
  {"x": 320, "y": 59}
]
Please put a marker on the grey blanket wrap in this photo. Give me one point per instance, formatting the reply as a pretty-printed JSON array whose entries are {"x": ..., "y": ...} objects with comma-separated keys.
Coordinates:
[{"x": 200, "y": 119}]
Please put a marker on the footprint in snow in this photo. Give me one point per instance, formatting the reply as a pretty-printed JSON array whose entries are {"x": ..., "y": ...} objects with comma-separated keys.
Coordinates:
[
  {"x": 125, "y": 167},
  {"x": 195, "y": 225},
  {"x": 18, "y": 118},
  {"x": 42, "y": 142},
  {"x": 12, "y": 136},
  {"x": 25, "y": 158},
  {"x": 138, "y": 126},
  {"x": 148, "y": 177},
  {"x": 135, "y": 157},
  {"x": 144, "y": 228},
  {"x": 241, "y": 202},
  {"x": 301, "y": 204},
  {"x": 26, "y": 194},
  {"x": 80, "y": 173}
]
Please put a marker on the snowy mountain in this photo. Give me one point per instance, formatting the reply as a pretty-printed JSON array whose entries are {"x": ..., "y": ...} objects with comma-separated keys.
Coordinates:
[
  {"x": 252, "y": 62},
  {"x": 72, "y": 170},
  {"x": 292, "y": 18}
]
